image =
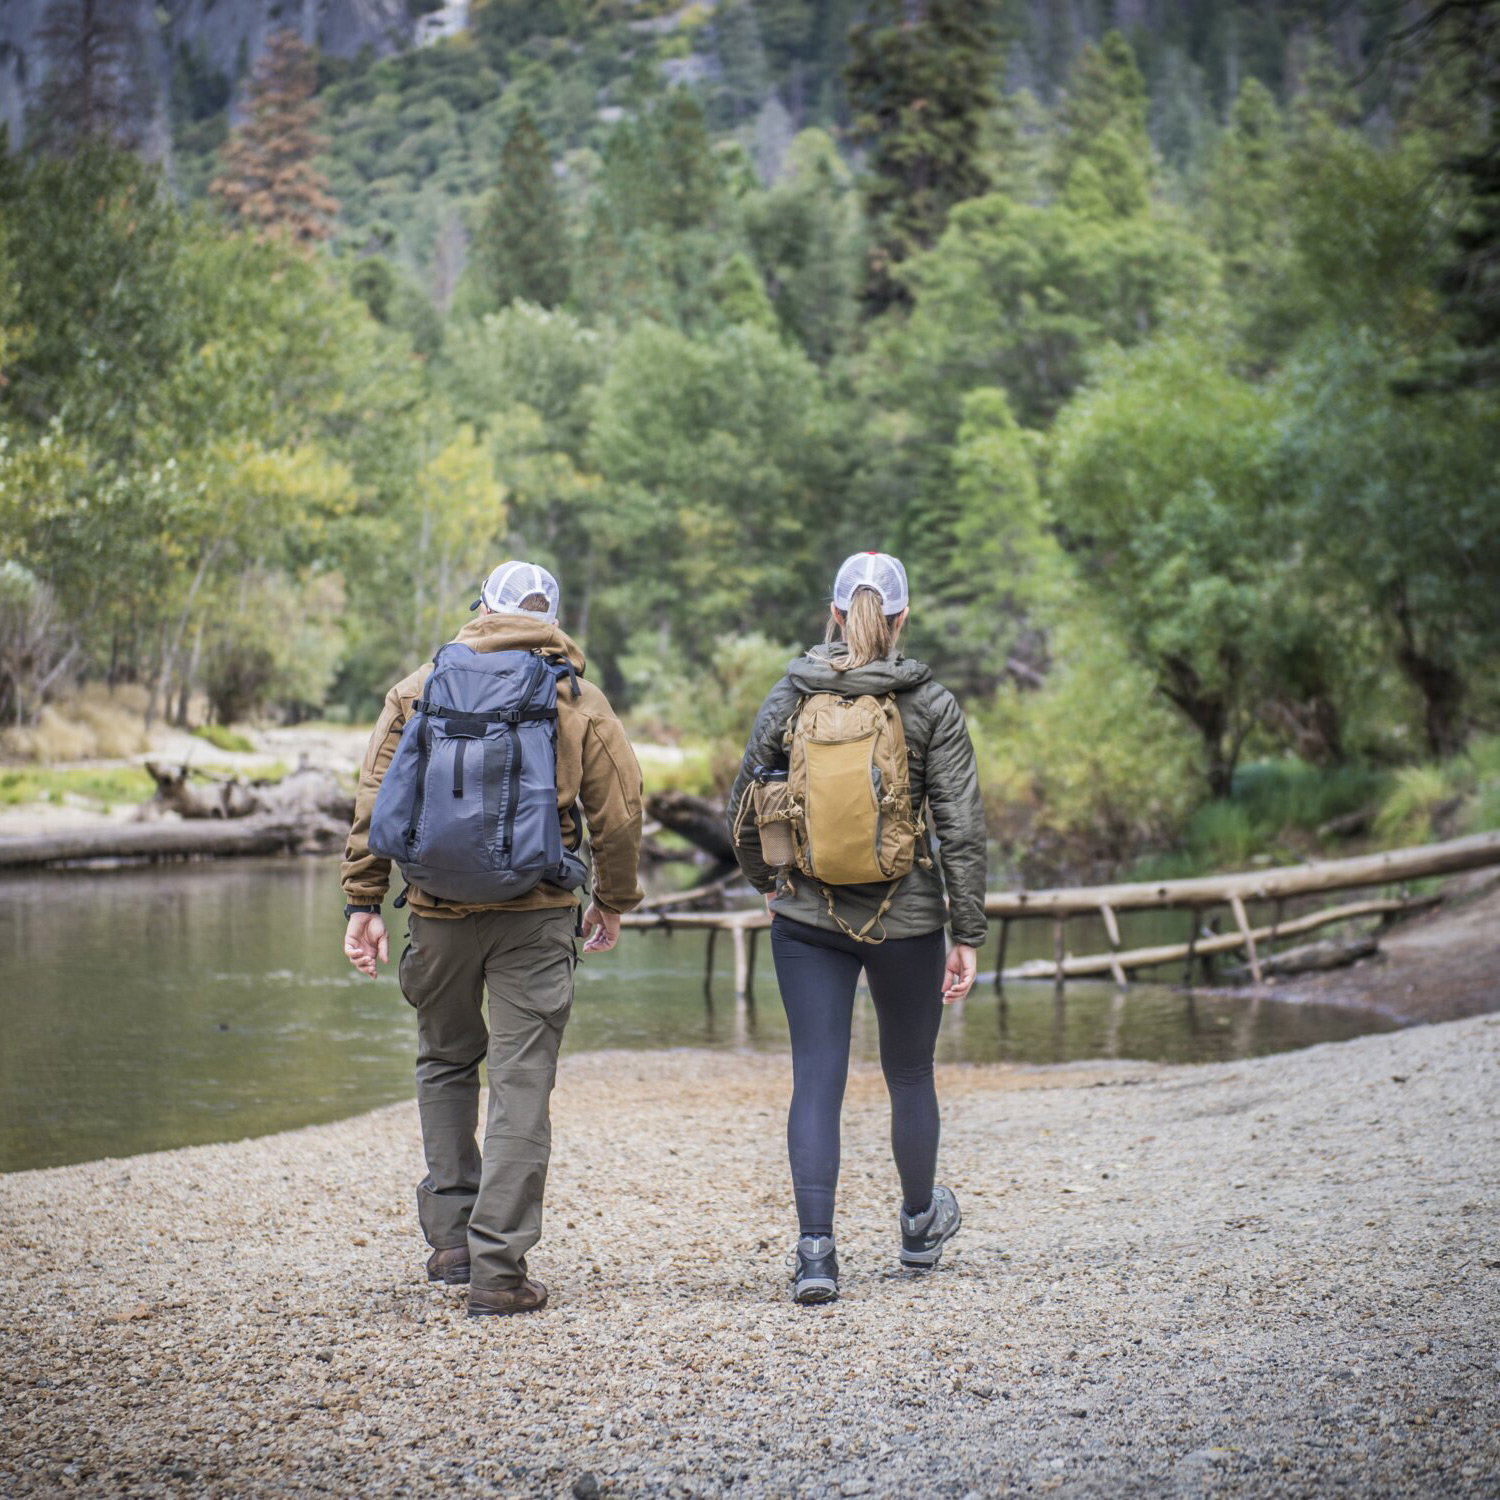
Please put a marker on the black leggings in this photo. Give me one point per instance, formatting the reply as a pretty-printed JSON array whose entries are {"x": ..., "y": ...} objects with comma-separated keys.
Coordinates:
[{"x": 817, "y": 971}]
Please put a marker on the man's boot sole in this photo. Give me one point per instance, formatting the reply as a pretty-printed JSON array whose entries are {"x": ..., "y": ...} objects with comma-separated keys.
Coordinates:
[
  {"x": 450, "y": 1278},
  {"x": 504, "y": 1312}
]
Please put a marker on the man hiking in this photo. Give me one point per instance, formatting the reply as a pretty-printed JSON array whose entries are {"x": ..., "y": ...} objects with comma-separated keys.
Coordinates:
[{"x": 472, "y": 782}]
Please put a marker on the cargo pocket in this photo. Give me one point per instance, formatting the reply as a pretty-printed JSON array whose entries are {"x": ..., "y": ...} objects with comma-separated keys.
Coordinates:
[
  {"x": 544, "y": 983},
  {"x": 412, "y": 973}
]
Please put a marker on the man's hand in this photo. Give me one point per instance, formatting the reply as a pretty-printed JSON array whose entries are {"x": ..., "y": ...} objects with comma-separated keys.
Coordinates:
[
  {"x": 770, "y": 897},
  {"x": 959, "y": 971},
  {"x": 601, "y": 929},
  {"x": 365, "y": 940}
]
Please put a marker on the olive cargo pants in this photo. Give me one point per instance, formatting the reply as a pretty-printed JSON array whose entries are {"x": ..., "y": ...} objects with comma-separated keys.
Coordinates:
[{"x": 491, "y": 1201}]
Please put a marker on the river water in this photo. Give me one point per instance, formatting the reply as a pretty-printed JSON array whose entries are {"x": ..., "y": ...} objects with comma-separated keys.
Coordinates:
[{"x": 163, "y": 1006}]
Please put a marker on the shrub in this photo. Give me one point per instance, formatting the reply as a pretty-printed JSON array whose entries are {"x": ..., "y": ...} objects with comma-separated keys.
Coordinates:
[
  {"x": 1417, "y": 796},
  {"x": 222, "y": 738},
  {"x": 1091, "y": 769}
]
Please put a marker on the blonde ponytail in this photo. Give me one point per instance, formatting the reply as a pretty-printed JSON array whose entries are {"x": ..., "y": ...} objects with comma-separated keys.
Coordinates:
[{"x": 867, "y": 633}]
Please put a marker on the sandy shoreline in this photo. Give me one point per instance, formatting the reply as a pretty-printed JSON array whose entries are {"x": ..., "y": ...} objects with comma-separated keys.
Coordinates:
[{"x": 1271, "y": 1277}]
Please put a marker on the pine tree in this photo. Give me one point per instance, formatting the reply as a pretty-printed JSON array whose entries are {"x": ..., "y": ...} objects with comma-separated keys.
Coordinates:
[
  {"x": 920, "y": 87},
  {"x": 95, "y": 87},
  {"x": 1102, "y": 121},
  {"x": 267, "y": 179},
  {"x": 687, "y": 177},
  {"x": 522, "y": 246}
]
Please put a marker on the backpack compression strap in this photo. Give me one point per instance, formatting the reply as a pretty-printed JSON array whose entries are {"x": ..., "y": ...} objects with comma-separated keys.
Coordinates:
[{"x": 877, "y": 919}]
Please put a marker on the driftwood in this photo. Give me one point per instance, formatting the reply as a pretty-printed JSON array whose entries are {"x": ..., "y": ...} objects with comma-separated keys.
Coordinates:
[
  {"x": 209, "y": 797},
  {"x": 261, "y": 834},
  {"x": 308, "y": 792},
  {"x": 306, "y": 812},
  {"x": 1391, "y": 868},
  {"x": 1314, "y": 958},
  {"x": 1349, "y": 825},
  {"x": 1167, "y": 953},
  {"x": 697, "y": 819}
]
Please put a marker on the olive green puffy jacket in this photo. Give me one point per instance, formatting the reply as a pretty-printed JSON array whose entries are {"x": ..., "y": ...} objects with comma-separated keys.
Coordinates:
[{"x": 943, "y": 774}]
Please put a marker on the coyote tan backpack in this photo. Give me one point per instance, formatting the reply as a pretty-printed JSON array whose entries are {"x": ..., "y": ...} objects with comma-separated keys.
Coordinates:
[{"x": 848, "y": 797}]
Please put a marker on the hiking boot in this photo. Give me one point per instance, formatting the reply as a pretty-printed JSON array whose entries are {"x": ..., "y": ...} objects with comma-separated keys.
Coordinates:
[
  {"x": 923, "y": 1235},
  {"x": 449, "y": 1266},
  {"x": 503, "y": 1301},
  {"x": 816, "y": 1275}
]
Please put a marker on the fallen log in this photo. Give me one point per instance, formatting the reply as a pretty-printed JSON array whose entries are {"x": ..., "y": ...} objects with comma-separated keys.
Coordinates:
[
  {"x": 1227, "y": 942},
  {"x": 173, "y": 840},
  {"x": 308, "y": 792},
  {"x": 217, "y": 797},
  {"x": 697, "y": 819},
  {"x": 1390, "y": 868},
  {"x": 1315, "y": 958}
]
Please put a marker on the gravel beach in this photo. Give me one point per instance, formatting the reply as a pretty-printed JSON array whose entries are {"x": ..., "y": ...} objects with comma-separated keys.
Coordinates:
[{"x": 1278, "y": 1277}]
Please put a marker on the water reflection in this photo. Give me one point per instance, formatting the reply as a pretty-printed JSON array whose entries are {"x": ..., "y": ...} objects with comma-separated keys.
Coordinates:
[{"x": 147, "y": 1008}]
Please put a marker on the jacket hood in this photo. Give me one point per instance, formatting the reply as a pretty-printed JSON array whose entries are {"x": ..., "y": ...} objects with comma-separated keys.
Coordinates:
[
  {"x": 520, "y": 633},
  {"x": 815, "y": 673}
]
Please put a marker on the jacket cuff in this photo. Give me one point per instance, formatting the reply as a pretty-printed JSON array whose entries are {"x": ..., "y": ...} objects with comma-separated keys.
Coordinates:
[{"x": 619, "y": 908}]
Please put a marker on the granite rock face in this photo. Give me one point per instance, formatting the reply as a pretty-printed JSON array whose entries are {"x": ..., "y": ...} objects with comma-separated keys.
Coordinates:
[{"x": 228, "y": 34}]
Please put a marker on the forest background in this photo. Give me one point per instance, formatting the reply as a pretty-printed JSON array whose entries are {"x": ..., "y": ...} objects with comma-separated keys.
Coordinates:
[{"x": 1160, "y": 341}]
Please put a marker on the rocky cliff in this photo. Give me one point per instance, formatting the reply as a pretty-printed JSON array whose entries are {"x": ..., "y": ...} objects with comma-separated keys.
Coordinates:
[{"x": 226, "y": 36}]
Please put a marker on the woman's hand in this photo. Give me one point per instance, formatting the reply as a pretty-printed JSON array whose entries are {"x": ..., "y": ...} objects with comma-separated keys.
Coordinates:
[
  {"x": 959, "y": 972},
  {"x": 365, "y": 940}
]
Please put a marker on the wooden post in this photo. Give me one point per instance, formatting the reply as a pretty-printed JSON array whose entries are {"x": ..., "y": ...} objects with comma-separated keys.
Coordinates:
[
  {"x": 1000, "y": 956},
  {"x": 741, "y": 960},
  {"x": 1237, "y": 906},
  {"x": 1275, "y": 922},
  {"x": 753, "y": 936},
  {"x": 1192, "y": 948},
  {"x": 1112, "y": 929},
  {"x": 1057, "y": 952},
  {"x": 708, "y": 965}
]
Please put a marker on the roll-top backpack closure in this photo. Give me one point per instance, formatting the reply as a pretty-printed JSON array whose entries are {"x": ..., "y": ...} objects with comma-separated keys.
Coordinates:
[{"x": 468, "y": 807}]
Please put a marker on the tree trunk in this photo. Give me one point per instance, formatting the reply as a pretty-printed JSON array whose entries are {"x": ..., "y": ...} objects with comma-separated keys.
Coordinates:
[
  {"x": 1439, "y": 683},
  {"x": 700, "y": 821}
]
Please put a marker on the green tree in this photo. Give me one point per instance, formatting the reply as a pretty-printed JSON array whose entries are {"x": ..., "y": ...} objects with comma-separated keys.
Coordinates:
[
  {"x": 1022, "y": 297},
  {"x": 1245, "y": 199},
  {"x": 921, "y": 83},
  {"x": 981, "y": 547},
  {"x": 1400, "y": 512},
  {"x": 96, "y": 287},
  {"x": 1164, "y": 477},
  {"x": 523, "y": 242},
  {"x": 714, "y": 455},
  {"x": 805, "y": 232},
  {"x": 741, "y": 294},
  {"x": 1101, "y": 128}
]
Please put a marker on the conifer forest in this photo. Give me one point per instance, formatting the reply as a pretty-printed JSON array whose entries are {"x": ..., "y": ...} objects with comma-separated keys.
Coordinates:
[{"x": 1160, "y": 339}]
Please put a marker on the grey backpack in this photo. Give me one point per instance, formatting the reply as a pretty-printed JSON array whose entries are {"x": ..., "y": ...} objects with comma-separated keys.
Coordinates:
[{"x": 468, "y": 805}]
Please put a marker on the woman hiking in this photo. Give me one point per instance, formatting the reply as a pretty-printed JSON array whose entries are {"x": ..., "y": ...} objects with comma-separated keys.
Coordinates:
[{"x": 858, "y": 770}]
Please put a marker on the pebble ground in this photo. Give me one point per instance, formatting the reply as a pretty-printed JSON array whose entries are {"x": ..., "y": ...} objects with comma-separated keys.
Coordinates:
[{"x": 1279, "y": 1277}]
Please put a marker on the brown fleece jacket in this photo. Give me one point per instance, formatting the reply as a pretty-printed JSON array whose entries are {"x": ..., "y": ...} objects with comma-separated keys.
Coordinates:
[{"x": 595, "y": 765}]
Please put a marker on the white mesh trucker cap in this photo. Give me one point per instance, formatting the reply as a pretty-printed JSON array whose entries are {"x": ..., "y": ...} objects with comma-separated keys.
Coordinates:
[
  {"x": 512, "y": 582},
  {"x": 875, "y": 570}
]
